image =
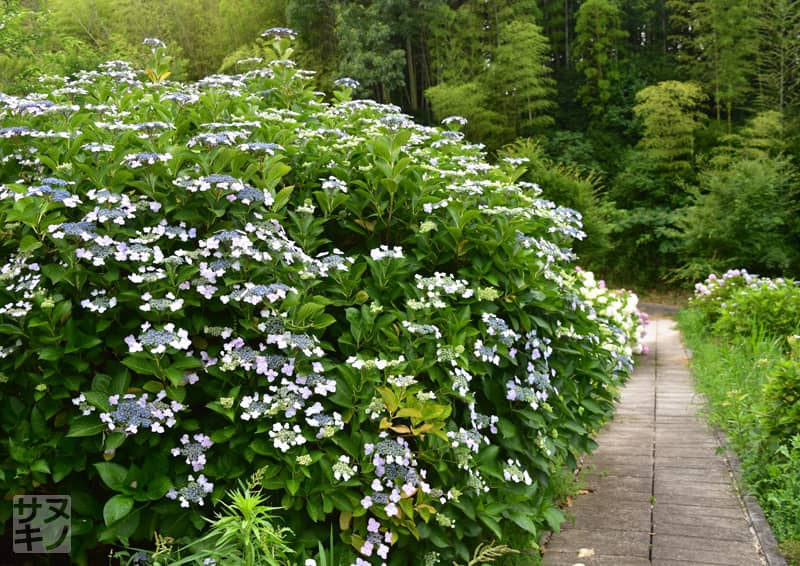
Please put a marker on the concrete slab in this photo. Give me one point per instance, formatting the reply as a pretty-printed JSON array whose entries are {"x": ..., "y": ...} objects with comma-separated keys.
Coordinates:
[
  {"x": 631, "y": 544},
  {"x": 722, "y": 502},
  {"x": 631, "y": 483},
  {"x": 732, "y": 532},
  {"x": 676, "y": 489},
  {"x": 626, "y": 517},
  {"x": 687, "y": 512},
  {"x": 572, "y": 558},
  {"x": 705, "y": 550}
]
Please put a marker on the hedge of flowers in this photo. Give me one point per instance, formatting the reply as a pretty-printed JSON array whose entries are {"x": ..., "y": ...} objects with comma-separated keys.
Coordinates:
[
  {"x": 204, "y": 280},
  {"x": 745, "y": 330},
  {"x": 739, "y": 304}
]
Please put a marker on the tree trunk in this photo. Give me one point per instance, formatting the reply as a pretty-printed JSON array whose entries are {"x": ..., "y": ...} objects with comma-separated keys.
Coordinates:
[
  {"x": 413, "y": 99},
  {"x": 566, "y": 34}
]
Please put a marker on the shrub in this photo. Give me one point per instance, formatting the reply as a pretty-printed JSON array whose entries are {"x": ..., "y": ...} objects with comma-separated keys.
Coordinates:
[
  {"x": 749, "y": 370},
  {"x": 741, "y": 304},
  {"x": 780, "y": 402},
  {"x": 741, "y": 215},
  {"x": 780, "y": 496},
  {"x": 204, "y": 280},
  {"x": 571, "y": 189}
]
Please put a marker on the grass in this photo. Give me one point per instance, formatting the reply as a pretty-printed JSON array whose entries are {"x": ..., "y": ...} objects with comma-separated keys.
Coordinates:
[{"x": 731, "y": 375}]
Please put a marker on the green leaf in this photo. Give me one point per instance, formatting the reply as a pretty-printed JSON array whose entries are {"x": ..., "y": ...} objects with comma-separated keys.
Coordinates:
[
  {"x": 141, "y": 365},
  {"x": 78, "y": 340},
  {"x": 54, "y": 272},
  {"x": 51, "y": 354},
  {"x": 323, "y": 321},
  {"x": 554, "y": 518},
  {"x": 10, "y": 329},
  {"x": 114, "y": 440},
  {"x": 85, "y": 426},
  {"x": 522, "y": 520},
  {"x": 574, "y": 427},
  {"x": 113, "y": 475},
  {"x": 292, "y": 486},
  {"x": 98, "y": 399},
  {"x": 40, "y": 466},
  {"x": 492, "y": 523},
  {"x": 116, "y": 508},
  {"x": 282, "y": 198},
  {"x": 263, "y": 447},
  {"x": 217, "y": 407},
  {"x": 158, "y": 487},
  {"x": 28, "y": 243},
  {"x": 308, "y": 310},
  {"x": 592, "y": 406}
]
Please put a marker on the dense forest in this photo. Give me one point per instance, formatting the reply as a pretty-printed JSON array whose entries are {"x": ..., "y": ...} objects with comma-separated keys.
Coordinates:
[{"x": 671, "y": 125}]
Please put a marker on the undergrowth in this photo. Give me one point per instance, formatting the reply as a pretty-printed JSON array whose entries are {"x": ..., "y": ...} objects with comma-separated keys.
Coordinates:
[{"x": 738, "y": 376}]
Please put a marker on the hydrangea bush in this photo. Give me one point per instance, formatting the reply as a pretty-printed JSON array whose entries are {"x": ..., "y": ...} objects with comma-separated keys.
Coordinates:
[
  {"x": 739, "y": 304},
  {"x": 203, "y": 280}
]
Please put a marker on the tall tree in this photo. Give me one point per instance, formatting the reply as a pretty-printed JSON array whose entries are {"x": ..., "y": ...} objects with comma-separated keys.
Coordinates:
[
  {"x": 598, "y": 34},
  {"x": 315, "y": 24},
  {"x": 558, "y": 23},
  {"x": 456, "y": 45},
  {"x": 670, "y": 114},
  {"x": 683, "y": 25},
  {"x": 521, "y": 78},
  {"x": 731, "y": 38},
  {"x": 779, "y": 55},
  {"x": 368, "y": 49},
  {"x": 716, "y": 43}
]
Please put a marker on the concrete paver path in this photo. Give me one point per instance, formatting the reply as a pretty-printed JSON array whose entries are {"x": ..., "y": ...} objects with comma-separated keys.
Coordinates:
[{"x": 659, "y": 492}]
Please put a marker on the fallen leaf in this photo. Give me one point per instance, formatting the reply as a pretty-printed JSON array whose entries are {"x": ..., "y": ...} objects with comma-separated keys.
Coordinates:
[{"x": 585, "y": 552}]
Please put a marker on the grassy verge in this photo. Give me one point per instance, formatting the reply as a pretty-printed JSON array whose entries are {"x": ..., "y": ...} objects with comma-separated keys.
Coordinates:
[{"x": 736, "y": 377}]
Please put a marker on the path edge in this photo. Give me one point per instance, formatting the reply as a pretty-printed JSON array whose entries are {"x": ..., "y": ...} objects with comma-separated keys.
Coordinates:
[
  {"x": 752, "y": 508},
  {"x": 755, "y": 514}
]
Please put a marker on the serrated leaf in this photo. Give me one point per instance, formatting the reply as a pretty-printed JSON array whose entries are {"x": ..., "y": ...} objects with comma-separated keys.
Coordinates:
[
  {"x": 389, "y": 399},
  {"x": 554, "y": 518},
  {"x": 409, "y": 412},
  {"x": 263, "y": 447},
  {"x": 86, "y": 426},
  {"x": 282, "y": 198},
  {"x": 29, "y": 243},
  {"x": 142, "y": 366},
  {"x": 113, "y": 475},
  {"x": 323, "y": 321},
  {"x": 523, "y": 521},
  {"x": 308, "y": 310},
  {"x": 116, "y": 508}
]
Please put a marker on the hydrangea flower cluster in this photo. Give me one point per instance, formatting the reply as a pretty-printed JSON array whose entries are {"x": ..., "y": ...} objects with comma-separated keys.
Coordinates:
[
  {"x": 617, "y": 311},
  {"x": 228, "y": 257},
  {"x": 194, "y": 451},
  {"x": 195, "y": 491},
  {"x": 737, "y": 301},
  {"x": 131, "y": 412}
]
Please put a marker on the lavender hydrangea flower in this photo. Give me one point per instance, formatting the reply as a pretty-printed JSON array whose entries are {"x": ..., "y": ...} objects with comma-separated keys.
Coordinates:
[
  {"x": 193, "y": 492},
  {"x": 194, "y": 451}
]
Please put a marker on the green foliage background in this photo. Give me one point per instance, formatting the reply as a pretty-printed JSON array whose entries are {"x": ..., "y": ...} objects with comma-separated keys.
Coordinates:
[{"x": 655, "y": 90}]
